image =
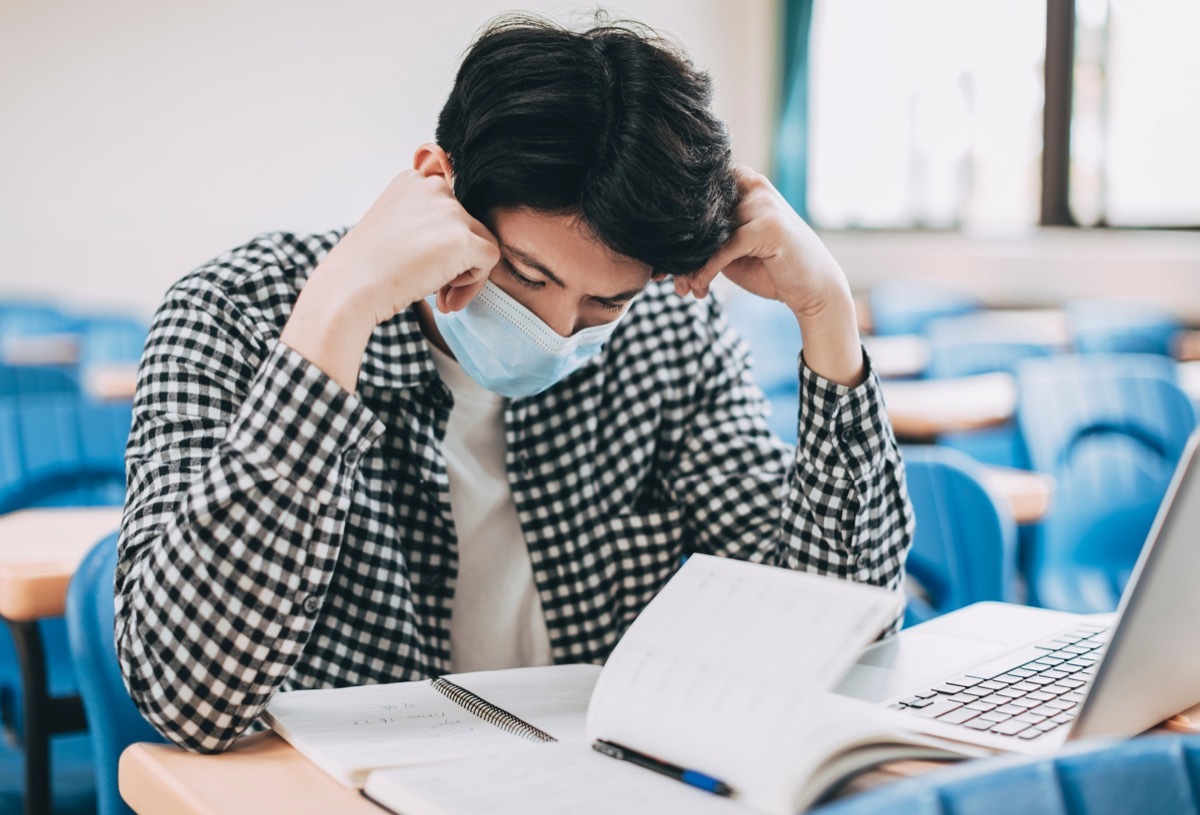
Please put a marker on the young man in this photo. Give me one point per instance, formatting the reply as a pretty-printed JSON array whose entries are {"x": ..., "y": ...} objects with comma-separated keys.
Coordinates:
[{"x": 480, "y": 428}]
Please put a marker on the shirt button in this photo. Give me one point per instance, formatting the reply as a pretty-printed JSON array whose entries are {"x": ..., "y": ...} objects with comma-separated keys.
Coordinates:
[
  {"x": 847, "y": 436},
  {"x": 352, "y": 456},
  {"x": 311, "y": 603}
]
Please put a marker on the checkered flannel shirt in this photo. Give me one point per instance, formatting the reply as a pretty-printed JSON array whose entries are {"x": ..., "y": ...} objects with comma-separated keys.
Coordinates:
[{"x": 281, "y": 533}]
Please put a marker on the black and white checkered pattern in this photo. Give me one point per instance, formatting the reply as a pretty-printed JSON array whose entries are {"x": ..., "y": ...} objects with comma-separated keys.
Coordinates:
[{"x": 282, "y": 533}]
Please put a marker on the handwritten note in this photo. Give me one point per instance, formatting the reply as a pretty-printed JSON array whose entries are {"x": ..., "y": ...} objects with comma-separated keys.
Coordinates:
[{"x": 350, "y": 731}]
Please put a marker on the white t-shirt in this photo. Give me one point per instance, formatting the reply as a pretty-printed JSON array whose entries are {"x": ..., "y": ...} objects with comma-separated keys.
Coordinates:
[{"x": 496, "y": 619}]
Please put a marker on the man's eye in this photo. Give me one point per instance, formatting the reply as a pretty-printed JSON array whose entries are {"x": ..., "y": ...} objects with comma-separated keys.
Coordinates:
[
  {"x": 520, "y": 278},
  {"x": 609, "y": 305}
]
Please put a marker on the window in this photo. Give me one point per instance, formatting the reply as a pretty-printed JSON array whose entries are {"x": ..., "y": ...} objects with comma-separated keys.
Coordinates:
[
  {"x": 929, "y": 113},
  {"x": 1135, "y": 121}
]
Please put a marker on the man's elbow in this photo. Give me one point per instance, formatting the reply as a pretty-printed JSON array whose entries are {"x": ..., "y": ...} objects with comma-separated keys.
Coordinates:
[{"x": 164, "y": 705}]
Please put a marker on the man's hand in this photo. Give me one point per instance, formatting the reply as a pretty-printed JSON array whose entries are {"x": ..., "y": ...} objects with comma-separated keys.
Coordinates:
[
  {"x": 773, "y": 253},
  {"x": 415, "y": 240}
]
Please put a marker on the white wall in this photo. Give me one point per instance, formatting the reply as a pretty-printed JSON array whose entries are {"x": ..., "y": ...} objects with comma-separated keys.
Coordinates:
[
  {"x": 1034, "y": 267},
  {"x": 138, "y": 139}
]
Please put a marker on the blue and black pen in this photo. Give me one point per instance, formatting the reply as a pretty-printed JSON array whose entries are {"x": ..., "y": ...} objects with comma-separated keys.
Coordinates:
[{"x": 690, "y": 777}]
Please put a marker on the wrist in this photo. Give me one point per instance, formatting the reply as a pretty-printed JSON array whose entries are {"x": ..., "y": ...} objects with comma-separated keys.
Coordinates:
[
  {"x": 830, "y": 302},
  {"x": 832, "y": 345},
  {"x": 330, "y": 326}
]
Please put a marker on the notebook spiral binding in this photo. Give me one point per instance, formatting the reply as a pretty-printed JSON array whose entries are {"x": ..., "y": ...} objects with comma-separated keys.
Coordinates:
[{"x": 491, "y": 714}]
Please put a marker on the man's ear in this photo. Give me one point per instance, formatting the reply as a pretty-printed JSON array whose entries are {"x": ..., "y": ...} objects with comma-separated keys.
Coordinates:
[{"x": 430, "y": 159}]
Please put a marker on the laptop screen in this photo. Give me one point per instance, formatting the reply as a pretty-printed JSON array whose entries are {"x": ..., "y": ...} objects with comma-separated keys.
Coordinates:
[{"x": 1152, "y": 668}]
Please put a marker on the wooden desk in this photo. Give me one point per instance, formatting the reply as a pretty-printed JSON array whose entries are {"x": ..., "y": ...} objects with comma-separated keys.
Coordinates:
[
  {"x": 1028, "y": 494},
  {"x": 1041, "y": 326},
  {"x": 923, "y": 409},
  {"x": 40, "y": 349},
  {"x": 39, "y": 552},
  {"x": 897, "y": 357},
  {"x": 1187, "y": 346},
  {"x": 259, "y": 775},
  {"x": 111, "y": 382},
  {"x": 263, "y": 775},
  {"x": 1189, "y": 379}
]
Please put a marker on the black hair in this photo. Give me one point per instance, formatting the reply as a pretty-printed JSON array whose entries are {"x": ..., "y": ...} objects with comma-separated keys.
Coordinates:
[{"x": 611, "y": 124}]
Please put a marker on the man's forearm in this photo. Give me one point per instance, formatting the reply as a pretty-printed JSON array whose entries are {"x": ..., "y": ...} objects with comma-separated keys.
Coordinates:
[
  {"x": 832, "y": 345},
  {"x": 328, "y": 328}
]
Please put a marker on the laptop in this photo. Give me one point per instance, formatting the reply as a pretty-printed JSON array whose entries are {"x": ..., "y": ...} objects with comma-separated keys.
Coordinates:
[{"x": 1012, "y": 678}]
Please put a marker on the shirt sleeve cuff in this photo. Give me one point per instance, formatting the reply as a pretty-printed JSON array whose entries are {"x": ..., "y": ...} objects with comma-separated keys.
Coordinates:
[
  {"x": 844, "y": 429},
  {"x": 296, "y": 420}
]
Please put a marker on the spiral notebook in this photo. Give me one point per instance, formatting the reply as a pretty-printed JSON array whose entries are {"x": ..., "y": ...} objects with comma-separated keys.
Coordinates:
[
  {"x": 350, "y": 731},
  {"x": 725, "y": 672}
]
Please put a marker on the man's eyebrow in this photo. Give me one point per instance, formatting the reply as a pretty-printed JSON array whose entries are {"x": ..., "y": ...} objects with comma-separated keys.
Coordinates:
[
  {"x": 537, "y": 265},
  {"x": 534, "y": 263}
]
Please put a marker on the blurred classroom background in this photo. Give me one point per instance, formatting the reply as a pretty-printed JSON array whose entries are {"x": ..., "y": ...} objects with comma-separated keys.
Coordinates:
[{"x": 1011, "y": 186}]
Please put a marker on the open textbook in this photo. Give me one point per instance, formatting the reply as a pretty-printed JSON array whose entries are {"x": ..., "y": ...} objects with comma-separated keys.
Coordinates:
[{"x": 726, "y": 672}]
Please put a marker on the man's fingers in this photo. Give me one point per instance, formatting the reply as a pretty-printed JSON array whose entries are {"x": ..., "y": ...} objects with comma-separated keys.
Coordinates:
[
  {"x": 456, "y": 296},
  {"x": 699, "y": 282},
  {"x": 462, "y": 289}
]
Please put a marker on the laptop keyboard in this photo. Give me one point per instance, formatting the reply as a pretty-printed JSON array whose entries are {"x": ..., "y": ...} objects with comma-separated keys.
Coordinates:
[{"x": 1039, "y": 691}]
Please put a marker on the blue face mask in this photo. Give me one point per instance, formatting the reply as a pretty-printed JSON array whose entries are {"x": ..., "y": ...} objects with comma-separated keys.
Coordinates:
[{"x": 507, "y": 349}]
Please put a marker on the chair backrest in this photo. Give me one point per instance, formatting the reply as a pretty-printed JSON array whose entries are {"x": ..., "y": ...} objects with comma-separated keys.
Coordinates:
[
  {"x": 1121, "y": 326},
  {"x": 1110, "y": 430},
  {"x": 772, "y": 334},
  {"x": 905, "y": 306},
  {"x": 18, "y": 380},
  {"x": 964, "y": 547},
  {"x": 28, "y": 318},
  {"x": 1063, "y": 401},
  {"x": 113, "y": 720},
  {"x": 1149, "y": 774},
  {"x": 110, "y": 338},
  {"x": 58, "y": 449},
  {"x": 981, "y": 343}
]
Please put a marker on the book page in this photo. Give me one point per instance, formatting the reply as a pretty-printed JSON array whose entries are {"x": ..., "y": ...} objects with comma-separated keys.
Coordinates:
[
  {"x": 722, "y": 672},
  {"x": 565, "y": 778},
  {"x": 349, "y": 731},
  {"x": 553, "y": 698}
]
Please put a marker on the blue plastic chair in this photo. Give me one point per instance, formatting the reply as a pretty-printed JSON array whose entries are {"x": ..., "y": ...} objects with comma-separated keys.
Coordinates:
[
  {"x": 905, "y": 306},
  {"x": 113, "y": 719},
  {"x": 21, "y": 380},
  {"x": 964, "y": 547},
  {"x": 1121, "y": 326},
  {"x": 1110, "y": 429},
  {"x": 23, "y": 318},
  {"x": 982, "y": 343},
  {"x": 773, "y": 336},
  {"x": 74, "y": 786},
  {"x": 58, "y": 449},
  {"x": 110, "y": 338},
  {"x": 1150, "y": 774}
]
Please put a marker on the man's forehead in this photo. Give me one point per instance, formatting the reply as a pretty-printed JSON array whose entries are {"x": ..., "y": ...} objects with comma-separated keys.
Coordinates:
[{"x": 566, "y": 252}]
